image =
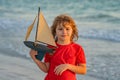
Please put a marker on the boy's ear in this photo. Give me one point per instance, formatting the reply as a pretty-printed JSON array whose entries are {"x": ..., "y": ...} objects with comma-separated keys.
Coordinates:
[{"x": 56, "y": 38}]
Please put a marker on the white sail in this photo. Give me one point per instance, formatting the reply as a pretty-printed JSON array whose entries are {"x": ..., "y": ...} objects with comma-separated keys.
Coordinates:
[
  {"x": 30, "y": 29},
  {"x": 44, "y": 34}
]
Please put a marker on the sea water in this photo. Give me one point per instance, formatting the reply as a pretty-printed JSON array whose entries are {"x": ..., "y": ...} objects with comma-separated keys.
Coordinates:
[{"x": 98, "y": 22}]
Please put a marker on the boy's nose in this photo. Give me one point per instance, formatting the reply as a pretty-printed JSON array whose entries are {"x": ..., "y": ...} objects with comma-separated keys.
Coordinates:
[{"x": 64, "y": 31}]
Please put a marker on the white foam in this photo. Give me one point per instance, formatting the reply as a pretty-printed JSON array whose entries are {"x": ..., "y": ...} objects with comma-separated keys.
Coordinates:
[{"x": 15, "y": 68}]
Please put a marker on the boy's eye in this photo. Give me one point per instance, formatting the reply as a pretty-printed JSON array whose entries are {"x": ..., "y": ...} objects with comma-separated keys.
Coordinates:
[
  {"x": 60, "y": 29},
  {"x": 67, "y": 29}
]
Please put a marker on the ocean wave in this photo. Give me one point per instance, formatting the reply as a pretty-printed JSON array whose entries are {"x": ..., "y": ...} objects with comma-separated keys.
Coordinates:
[
  {"x": 102, "y": 17},
  {"x": 110, "y": 35},
  {"x": 13, "y": 27},
  {"x": 17, "y": 28}
]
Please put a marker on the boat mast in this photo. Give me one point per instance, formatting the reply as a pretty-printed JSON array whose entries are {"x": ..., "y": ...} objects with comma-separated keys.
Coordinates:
[{"x": 37, "y": 24}]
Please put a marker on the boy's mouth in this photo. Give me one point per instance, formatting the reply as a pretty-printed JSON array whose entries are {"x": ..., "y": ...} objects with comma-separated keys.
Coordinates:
[{"x": 63, "y": 35}]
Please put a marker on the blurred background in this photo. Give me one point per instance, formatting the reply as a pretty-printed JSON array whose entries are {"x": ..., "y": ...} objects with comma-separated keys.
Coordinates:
[{"x": 98, "y": 22}]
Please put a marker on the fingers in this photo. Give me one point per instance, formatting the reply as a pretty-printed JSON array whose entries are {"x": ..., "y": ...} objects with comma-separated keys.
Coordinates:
[
  {"x": 60, "y": 69},
  {"x": 33, "y": 53}
]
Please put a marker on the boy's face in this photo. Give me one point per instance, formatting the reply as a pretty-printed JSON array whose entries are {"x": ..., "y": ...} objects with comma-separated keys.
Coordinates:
[{"x": 64, "y": 32}]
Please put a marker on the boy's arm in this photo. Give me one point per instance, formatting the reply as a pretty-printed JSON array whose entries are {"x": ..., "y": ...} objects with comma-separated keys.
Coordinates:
[{"x": 43, "y": 66}]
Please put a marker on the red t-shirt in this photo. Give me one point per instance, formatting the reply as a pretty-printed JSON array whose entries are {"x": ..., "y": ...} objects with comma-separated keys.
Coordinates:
[{"x": 71, "y": 53}]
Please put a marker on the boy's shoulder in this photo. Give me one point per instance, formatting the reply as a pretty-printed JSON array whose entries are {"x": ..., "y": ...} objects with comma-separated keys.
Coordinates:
[{"x": 76, "y": 45}]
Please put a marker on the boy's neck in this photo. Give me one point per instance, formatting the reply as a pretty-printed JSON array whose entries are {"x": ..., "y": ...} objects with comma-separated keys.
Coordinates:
[{"x": 63, "y": 42}]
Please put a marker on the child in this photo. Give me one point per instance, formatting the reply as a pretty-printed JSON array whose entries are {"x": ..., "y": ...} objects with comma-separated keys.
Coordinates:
[{"x": 68, "y": 59}]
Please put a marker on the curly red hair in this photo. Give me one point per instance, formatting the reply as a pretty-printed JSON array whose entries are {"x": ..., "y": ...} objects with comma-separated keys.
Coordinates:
[{"x": 65, "y": 19}]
